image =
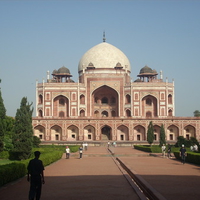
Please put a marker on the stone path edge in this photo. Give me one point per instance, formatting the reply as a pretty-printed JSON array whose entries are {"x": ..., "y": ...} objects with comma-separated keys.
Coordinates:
[{"x": 149, "y": 191}]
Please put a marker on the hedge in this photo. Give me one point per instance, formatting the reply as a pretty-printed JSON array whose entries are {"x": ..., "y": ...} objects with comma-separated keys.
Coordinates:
[
  {"x": 18, "y": 169},
  {"x": 11, "y": 172},
  {"x": 147, "y": 148},
  {"x": 191, "y": 157}
]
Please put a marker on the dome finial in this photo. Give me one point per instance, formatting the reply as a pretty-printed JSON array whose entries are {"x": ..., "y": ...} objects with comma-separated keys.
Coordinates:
[{"x": 104, "y": 37}]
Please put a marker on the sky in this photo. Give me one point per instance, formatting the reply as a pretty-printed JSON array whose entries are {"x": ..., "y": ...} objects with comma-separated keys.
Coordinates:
[{"x": 37, "y": 36}]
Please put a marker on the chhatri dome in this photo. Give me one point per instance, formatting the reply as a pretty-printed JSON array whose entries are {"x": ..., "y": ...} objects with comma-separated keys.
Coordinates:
[{"x": 104, "y": 56}]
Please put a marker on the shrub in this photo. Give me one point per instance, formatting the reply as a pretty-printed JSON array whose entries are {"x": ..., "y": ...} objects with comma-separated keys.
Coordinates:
[
  {"x": 36, "y": 141},
  {"x": 143, "y": 148},
  {"x": 11, "y": 172},
  {"x": 191, "y": 157},
  {"x": 16, "y": 154},
  {"x": 148, "y": 148}
]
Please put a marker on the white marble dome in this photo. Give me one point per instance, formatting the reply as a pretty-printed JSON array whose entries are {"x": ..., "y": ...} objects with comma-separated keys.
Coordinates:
[{"x": 104, "y": 55}]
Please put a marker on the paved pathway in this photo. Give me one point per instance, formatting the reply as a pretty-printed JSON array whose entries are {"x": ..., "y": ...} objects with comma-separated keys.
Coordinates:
[{"x": 97, "y": 177}]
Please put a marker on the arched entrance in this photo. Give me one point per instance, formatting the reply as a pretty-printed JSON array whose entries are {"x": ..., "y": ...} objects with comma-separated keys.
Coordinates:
[
  {"x": 105, "y": 101},
  {"x": 106, "y": 133},
  {"x": 149, "y": 106}
]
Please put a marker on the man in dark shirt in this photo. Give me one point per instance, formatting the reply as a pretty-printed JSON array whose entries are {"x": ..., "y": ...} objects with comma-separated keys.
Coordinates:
[
  {"x": 183, "y": 153},
  {"x": 35, "y": 176}
]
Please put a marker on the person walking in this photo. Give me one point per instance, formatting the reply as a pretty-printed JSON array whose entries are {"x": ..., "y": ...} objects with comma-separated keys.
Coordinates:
[
  {"x": 80, "y": 152},
  {"x": 169, "y": 149},
  {"x": 163, "y": 148},
  {"x": 35, "y": 176},
  {"x": 108, "y": 144},
  {"x": 183, "y": 153},
  {"x": 86, "y": 146},
  {"x": 67, "y": 152}
]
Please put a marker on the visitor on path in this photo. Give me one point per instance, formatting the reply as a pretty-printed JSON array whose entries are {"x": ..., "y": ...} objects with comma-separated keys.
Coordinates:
[
  {"x": 35, "y": 176},
  {"x": 169, "y": 149},
  {"x": 83, "y": 145},
  {"x": 195, "y": 147},
  {"x": 163, "y": 148},
  {"x": 86, "y": 146},
  {"x": 114, "y": 144},
  {"x": 108, "y": 144},
  {"x": 80, "y": 152},
  {"x": 67, "y": 152},
  {"x": 183, "y": 154}
]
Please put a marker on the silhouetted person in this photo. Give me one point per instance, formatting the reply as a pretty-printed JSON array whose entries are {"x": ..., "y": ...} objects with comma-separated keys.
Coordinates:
[{"x": 35, "y": 176}]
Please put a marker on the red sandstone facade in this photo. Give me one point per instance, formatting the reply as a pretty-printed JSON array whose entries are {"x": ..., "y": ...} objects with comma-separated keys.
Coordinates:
[{"x": 105, "y": 104}]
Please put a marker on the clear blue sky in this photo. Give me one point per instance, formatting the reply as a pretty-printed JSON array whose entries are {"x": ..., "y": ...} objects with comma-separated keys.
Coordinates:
[{"x": 37, "y": 36}]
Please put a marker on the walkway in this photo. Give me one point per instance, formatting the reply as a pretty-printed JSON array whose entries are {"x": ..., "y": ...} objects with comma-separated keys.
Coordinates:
[{"x": 97, "y": 177}]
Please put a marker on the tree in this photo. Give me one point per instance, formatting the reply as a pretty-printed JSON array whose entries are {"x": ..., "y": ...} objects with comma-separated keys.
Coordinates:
[
  {"x": 23, "y": 131},
  {"x": 180, "y": 141},
  {"x": 194, "y": 141},
  {"x": 196, "y": 113},
  {"x": 36, "y": 141},
  {"x": 2, "y": 121},
  {"x": 150, "y": 133},
  {"x": 162, "y": 135},
  {"x": 9, "y": 123}
]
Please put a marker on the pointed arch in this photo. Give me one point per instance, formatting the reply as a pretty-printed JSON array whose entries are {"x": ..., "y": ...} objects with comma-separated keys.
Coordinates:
[
  {"x": 72, "y": 133},
  {"x": 82, "y": 113},
  {"x": 128, "y": 113},
  {"x": 172, "y": 133},
  {"x": 106, "y": 99},
  {"x": 149, "y": 106},
  {"x": 189, "y": 131},
  {"x": 106, "y": 133},
  {"x": 40, "y": 113},
  {"x": 139, "y": 133},
  {"x": 170, "y": 99},
  {"x": 60, "y": 104},
  {"x": 128, "y": 99},
  {"x": 148, "y": 114},
  {"x": 82, "y": 99},
  {"x": 96, "y": 113},
  {"x": 39, "y": 131},
  {"x": 156, "y": 132},
  {"x": 122, "y": 133},
  {"x": 170, "y": 112},
  {"x": 56, "y": 133},
  {"x": 104, "y": 113},
  {"x": 40, "y": 99},
  {"x": 89, "y": 133}
]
